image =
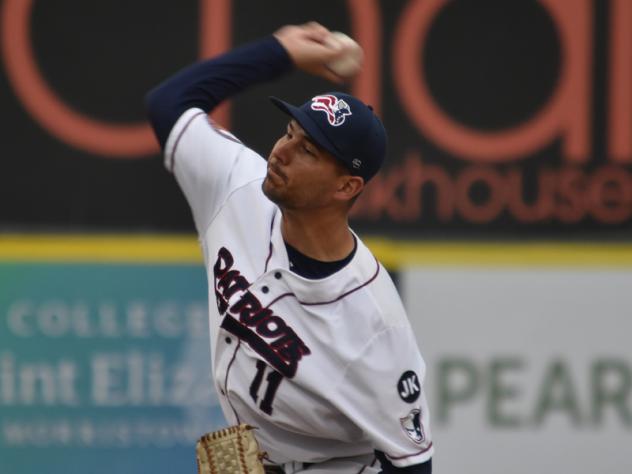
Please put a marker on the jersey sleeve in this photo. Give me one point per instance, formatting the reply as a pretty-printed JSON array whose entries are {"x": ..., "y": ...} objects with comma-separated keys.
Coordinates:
[
  {"x": 383, "y": 395},
  {"x": 208, "y": 164}
]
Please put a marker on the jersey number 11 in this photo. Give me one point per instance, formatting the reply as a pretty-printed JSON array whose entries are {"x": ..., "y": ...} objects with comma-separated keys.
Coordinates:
[{"x": 274, "y": 380}]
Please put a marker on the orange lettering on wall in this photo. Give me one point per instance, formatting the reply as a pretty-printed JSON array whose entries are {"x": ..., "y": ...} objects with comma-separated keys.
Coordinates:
[
  {"x": 544, "y": 202},
  {"x": 215, "y": 33},
  {"x": 396, "y": 192},
  {"x": 382, "y": 196},
  {"x": 492, "y": 207},
  {"x": 425, "y": 175},
  {"x": 620, "y": 87},
  {"x": 366, "y": 26},
  {"x": 571, "y": 189},
  {"x": 53, "y": 114},
  {"x": 610, "y": 195},
  {"x": 566, "y": 114},
  {"x": 483, "y": 193}
]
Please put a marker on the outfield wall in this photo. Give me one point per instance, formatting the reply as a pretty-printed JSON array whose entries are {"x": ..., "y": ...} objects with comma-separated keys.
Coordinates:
[
  {"x": 530, "y": 368},
  {"x": 104, "y": 353}
]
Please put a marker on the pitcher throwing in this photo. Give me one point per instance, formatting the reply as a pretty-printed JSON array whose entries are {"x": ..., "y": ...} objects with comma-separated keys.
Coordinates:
[{"x": 310, "y": 342}]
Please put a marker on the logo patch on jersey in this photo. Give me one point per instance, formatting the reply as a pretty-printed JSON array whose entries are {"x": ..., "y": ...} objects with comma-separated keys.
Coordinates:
[
  {"x": 412, "y": 426},
  {"x": 336, "y": 109},
  {"x": 409, "y": 387}
]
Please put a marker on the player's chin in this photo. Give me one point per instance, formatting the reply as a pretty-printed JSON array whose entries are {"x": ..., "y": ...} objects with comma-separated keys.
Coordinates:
[
  {"x": 268, "y": 183},
  {"x": 271, "y": 190},
  {"x": 279, "y": 195}
]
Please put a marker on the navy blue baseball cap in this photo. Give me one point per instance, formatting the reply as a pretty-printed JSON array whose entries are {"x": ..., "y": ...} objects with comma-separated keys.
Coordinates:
[{"x": 345, "y": 127}]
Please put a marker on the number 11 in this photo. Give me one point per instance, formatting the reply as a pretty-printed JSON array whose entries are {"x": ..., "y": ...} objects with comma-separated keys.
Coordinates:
[{"x": 274, "y": 380}]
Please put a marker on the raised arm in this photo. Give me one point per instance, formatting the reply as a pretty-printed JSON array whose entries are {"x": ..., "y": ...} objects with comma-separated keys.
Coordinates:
[{"x": 207, "y": 83}]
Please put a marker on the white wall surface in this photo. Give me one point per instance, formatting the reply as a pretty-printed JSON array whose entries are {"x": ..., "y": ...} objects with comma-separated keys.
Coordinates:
[{"x": 529, "y": 370}]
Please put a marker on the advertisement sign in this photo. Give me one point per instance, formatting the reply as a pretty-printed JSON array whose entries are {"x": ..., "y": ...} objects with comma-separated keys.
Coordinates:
[
  {"x": 103, "y": 368},
  {"x": 529, "y": 369},
  {"x": 105, "y": 359},
  {"x": 505, "y": 119}
]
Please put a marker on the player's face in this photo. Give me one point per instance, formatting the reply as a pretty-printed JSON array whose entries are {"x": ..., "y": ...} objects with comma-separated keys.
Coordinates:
[{"x": 300, "y": 174}]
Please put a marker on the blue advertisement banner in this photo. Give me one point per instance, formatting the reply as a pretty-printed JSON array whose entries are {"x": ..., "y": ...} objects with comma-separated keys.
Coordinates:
[
  {"x": 103, "y": 368},
  {"x": 104, "y": 353}
]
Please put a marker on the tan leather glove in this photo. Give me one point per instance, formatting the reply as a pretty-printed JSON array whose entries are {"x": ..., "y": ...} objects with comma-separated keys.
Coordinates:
[{"x": 232, "y": 450}]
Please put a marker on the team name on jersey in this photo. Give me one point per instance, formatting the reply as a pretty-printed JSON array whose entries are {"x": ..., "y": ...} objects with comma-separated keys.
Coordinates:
[{"x": 267, "y": 333}]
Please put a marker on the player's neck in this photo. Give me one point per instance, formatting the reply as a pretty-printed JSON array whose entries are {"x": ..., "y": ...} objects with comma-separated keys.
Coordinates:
[{"x": 324, "y": 237}]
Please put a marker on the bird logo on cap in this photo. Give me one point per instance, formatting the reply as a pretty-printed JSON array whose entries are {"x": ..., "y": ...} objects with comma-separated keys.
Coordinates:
[{"x": 336, "y": 109}]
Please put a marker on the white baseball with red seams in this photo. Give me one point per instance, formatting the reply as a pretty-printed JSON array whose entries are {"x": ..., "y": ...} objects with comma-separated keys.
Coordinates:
[
  {"x": 350, "y": 63},
  {"x": 327, "y": 369}
]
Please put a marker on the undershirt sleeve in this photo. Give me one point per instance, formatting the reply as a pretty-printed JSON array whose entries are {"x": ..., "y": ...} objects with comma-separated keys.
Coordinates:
[{"x": 206, "y": 84}]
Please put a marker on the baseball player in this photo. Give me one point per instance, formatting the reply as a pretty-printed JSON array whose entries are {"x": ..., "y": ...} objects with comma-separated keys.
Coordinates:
[{"x": 310, "y": 342}]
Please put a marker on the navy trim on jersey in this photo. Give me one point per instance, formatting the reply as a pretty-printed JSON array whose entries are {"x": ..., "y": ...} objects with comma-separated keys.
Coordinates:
[
  {"x": 284, "y": 295},
  {"x": 226, "y": 381},
  {"x": 223, "y": 132},
  {"x": 414, "y": 454},
  {"x": 281, "y": 296},
  {"x": 388, "y": 468},
  {"x": 370, "y": 465},
  {"x": 377, "y": 271},
  {"x": 271, "y": 246},
  {"x": 172, "y": 159},
  {"x": 318, "y": 303},
  {"x": 207, "y": 83}
]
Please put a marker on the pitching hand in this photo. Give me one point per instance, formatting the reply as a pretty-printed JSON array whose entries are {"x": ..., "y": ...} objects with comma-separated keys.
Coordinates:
[{"x": 310, "y": 48}]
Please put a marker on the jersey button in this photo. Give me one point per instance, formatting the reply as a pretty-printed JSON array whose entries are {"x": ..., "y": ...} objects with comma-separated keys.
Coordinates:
[
  {"x": 265, "y": 289},
  {"x": 277, "y": 275},
  {"x": 228, "y": 340}
]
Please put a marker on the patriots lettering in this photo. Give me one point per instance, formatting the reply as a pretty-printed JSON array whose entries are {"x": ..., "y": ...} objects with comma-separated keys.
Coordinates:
[
  {"x": 249, "y": 309},
  {"x": 231, "y": 283},
  {"x": 285, "y": 349}
]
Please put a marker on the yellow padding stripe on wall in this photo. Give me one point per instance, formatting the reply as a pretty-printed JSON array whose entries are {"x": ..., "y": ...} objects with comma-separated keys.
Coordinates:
[
  {"x": 100, "y": 248},
  {"x": 184, "y": 249},
  {"x": 502, "y": 254}
]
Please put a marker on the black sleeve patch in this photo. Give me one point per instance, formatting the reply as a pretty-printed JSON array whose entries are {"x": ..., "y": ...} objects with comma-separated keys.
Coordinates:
[{"x": 409, "y": 387}]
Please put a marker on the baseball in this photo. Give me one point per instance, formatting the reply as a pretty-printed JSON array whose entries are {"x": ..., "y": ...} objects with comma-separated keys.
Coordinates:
[{"x": 350, "y": 63}]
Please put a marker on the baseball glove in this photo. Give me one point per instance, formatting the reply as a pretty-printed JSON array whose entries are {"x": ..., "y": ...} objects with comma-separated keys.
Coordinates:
[{"x": 232, "y": 450}]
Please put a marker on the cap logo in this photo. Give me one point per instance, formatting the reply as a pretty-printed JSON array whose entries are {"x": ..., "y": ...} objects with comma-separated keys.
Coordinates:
[
  {"x": 356, "y": 163},
  {"x": 336, "y": 109}
]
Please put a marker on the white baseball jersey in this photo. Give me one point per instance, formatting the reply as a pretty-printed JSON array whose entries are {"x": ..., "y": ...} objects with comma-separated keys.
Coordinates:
[{"x": 327, "y": 369}]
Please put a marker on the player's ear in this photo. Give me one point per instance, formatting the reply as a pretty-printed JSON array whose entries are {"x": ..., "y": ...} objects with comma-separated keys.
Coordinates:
[{"x": 349, "y": 187}]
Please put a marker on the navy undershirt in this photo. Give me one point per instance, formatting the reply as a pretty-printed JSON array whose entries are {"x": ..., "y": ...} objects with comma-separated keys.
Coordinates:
[{"x": 308, "y": 267}]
